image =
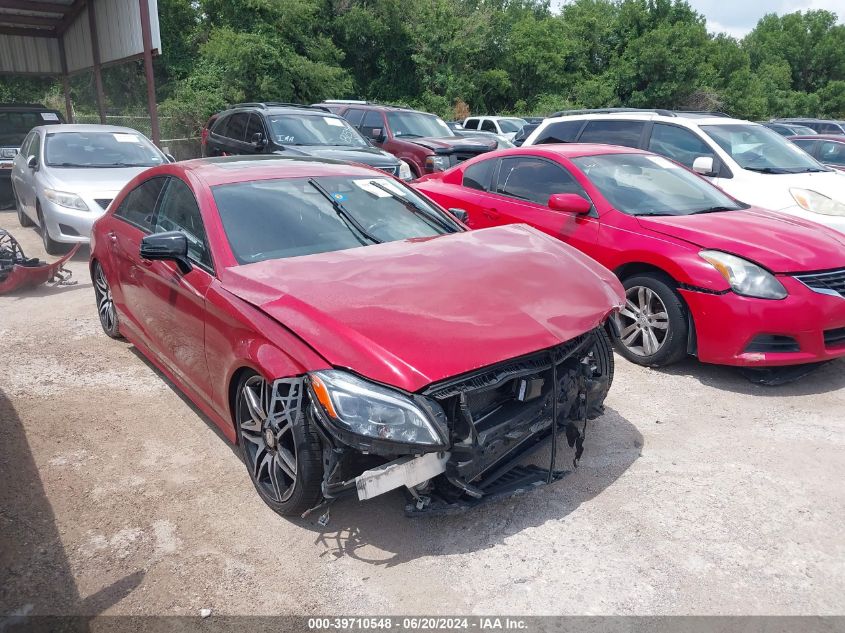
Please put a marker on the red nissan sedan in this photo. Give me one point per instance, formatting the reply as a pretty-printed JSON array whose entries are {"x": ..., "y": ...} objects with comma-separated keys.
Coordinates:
[
  {"x": 349, "y": 334},
  {"x": 703, "y": 273}
]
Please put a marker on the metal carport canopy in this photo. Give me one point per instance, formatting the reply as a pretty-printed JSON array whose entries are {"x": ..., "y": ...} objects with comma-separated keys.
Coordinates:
[{"x": 63, "y": 37}]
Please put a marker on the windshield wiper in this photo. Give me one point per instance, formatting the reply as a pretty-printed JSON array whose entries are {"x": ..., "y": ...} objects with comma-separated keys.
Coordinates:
[
  {"x": 713, "y": 210},
  {"x": 768, "y": 170},
  {"x": 344, "y": 214},
  {"x": 412, "y": 207},
  {"x": 651, "y": 213},
  {"x": 411, "y": 134}
]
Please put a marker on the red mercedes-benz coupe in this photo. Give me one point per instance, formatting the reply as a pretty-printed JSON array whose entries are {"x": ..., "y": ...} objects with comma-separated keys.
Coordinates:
[
  {"x": 703, "y": 273},
  {"x": 349, "y": 334}
]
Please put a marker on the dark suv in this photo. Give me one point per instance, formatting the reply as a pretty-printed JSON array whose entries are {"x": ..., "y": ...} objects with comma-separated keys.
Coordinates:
[
  {"x": 422, "y": 140},
  {"x": 821, "y": 126},
  {"x": 16, "y": 120},
  {"x": 292, "y": 129}
]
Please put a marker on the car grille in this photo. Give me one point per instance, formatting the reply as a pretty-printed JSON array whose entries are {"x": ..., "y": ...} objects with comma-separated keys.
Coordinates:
[
  {"x": 834, "y": 338},
  {"x": 831, "y": 282},
  {"x": 103, "y": 202}
]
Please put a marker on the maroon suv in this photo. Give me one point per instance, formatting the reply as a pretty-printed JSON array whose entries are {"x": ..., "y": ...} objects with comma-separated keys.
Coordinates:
[{"x": 422, "y": 140}]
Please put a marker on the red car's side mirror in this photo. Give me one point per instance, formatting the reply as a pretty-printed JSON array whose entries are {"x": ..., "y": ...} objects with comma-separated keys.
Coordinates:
[{"x": 570, "y": 203}]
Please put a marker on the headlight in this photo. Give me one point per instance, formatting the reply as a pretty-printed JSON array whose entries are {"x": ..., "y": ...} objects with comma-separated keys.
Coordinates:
[
  {"x": 64, "y": 199},
  {"x": 746, "y": 278},
  {"x": 405, "y": 172},
  {"x": 814, "y": 202},
  {"x": 8, "y": 152},
  {"x": 368, "y": 409},
  {"x": 436, "y": 163}
]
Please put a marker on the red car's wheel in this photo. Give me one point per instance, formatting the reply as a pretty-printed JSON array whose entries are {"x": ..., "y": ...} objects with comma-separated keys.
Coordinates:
[
  {"x": 653, "y": 323},
  {"x": 105, "y": 304},
  {"x": 283, "y": 458}
]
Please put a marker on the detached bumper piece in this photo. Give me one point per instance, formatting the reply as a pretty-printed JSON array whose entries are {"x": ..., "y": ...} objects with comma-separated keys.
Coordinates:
[{"x": 17, "y": 271}]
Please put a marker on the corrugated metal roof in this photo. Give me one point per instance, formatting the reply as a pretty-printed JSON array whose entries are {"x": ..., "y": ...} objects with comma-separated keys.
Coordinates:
[{"x": 24, "y": 50}]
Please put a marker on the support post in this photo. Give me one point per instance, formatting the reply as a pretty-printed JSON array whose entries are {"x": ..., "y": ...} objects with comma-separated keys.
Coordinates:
[
  {"x": 95, "y": 54},
  {"x": 65, "y": 81},
  {"x": 146, "y": 35}
]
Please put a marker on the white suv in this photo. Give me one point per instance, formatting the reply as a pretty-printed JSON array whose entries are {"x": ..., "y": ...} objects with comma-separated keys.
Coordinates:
[
  {"x": 507, "y": 126},
  {"x": 749, "y": 161}
]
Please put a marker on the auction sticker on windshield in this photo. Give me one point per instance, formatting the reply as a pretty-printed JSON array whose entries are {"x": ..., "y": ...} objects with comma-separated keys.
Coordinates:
[
  {"x": 369, "y": 187},
  {"x": 49, "y": 116},
  {"x": 662, "y": 162},
  {"x": 125, "y": 138}
]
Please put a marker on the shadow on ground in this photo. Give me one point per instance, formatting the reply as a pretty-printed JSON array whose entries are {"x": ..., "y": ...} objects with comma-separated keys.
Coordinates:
[
  {"x": 377, "y": 531},
  {"x": 35, "y": 575},
  {"x": 825, "y": 378}
]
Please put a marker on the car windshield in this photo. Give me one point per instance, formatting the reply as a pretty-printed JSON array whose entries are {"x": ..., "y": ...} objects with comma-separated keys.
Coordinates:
[
  {"x": 643, "y": 184},
  {"x": 14, "y": 126},
  {"x": 274, "y": 219},
  {"x": 314, "y": 130},
  {"x": 511, "y": 125},
  {"x": 101, "y": 149},
  {"x": 757, "y": 148},
  {"x": 417, "y": 124}
]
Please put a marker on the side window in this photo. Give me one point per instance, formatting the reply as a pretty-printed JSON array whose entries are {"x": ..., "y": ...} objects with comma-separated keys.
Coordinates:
[
  {"x": 220, "y": 126},
  {"x": 373, "y": 121},
  {"x": 488, "y": 126},
  {"x": 255, "y": 126},
  {"x": 26, "y": 150},
  {"x": 806, "y": 144},
  {"x": 477, "y": 175},
  {"x": 471, "y": 124},
  {"x": 179, "y": 212},
  {"x": 625, "y": 133},
  {"x": 535, "y": 180},
  {"x": 138, "y": 207},
  {"x": 354, "y": 116},
  {"x": 559, "y": 132},
  {"x": 832, "y": 152},
  {"x": 678, "y": 144},
  {"x": 237, "y": 126}
]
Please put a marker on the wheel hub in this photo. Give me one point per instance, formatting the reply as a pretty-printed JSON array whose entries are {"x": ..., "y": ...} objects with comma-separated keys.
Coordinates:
[{"x": 269, "y": 438}]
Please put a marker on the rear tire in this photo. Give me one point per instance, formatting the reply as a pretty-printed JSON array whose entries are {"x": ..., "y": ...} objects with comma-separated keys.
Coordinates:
[
  {"x": 24, "y": 220},
  {"x": 653, "y": 326}
]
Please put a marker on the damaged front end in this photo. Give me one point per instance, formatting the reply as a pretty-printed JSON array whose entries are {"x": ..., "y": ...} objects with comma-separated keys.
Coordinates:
[
  {"x": 459, "y": 442},
  {"x": 18, "y": 272}
]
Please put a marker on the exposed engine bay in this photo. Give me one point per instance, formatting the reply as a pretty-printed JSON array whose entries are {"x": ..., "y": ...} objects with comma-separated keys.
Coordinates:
[
  {"x": 494, "y": 418},
  {"x": 17, "y": 271}
]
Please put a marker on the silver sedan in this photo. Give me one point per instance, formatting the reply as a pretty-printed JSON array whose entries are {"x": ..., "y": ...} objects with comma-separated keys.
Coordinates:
[{"x": 65, "y": 177}]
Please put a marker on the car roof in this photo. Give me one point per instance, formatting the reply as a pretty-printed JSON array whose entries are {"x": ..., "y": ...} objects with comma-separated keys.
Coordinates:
[
  {"x": 88, "y": 127},
  {"x": 224, "y": 170},
  {"x": 278, "y": 109},
  {"x": 818, "y": 137},
  {"x": 564, "y": 150},
  {"x": 25, "y": 107},
  {"x": 699, "y": 118}
]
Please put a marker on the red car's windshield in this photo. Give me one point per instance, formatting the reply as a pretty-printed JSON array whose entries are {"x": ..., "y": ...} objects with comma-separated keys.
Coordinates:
[
  {"x": 273, "y": 219},
  {"x": 639, "y": 184}
]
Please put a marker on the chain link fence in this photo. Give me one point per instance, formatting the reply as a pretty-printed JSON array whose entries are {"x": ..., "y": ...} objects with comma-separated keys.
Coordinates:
[{"x": 175, "y": 139}]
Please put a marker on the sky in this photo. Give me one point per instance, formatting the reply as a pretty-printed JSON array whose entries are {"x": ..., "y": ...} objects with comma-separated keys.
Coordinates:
[{"x": 738, "y": 17}]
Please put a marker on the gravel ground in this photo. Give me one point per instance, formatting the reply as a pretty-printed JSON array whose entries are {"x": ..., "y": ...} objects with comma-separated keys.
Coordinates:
[{"x": 698, "y": 493}]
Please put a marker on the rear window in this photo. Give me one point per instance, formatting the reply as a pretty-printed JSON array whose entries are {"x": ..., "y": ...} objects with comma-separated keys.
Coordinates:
[
  {"x": 14, "y": 126},
  {"x": 559, "y": 132},
  {"x": 627, "y": 133}
]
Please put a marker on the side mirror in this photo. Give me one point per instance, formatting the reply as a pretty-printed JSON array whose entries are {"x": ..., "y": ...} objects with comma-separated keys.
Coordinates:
[
  {"x": 704, "y": 165},
  {"x": 461, "y": 214},
  {"x": 170, "y": 158},
  {"x": 172, "y": 245},
  {"x": 32, "y": 162},
  {"x": 377, "y": 135},
  {"x": 570, "y": 203},
  {"x": 258, "y": 140}
]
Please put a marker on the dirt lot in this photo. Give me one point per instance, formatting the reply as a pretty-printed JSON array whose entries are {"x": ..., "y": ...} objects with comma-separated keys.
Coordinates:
[{"x": 698, "y": 493}]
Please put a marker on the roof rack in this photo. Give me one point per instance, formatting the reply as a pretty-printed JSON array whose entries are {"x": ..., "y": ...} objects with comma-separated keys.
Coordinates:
[
  {"x": 704, "y": 113},
  {"x": 361, "y": 102},
  {"x": 615, "y": 111},
  {"x": 355, "y": 101},
  {"x": 264, "y": 105}
]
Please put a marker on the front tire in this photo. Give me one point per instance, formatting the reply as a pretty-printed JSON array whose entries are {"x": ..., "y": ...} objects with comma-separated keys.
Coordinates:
[
  {"x": 653, "y": 326},
  {"x": 283, "y": 459},
  {"x": 50, "y": 245},
  {"x": 105, "y": 303}
]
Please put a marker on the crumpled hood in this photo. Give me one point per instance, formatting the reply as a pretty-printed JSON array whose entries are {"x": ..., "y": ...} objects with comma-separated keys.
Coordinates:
[
  {"x": 779, "y": 242},
  {"x": 414, "y": 312},
  {"x": 367, "y": 155},
  {"x": 450, "y": 144}
]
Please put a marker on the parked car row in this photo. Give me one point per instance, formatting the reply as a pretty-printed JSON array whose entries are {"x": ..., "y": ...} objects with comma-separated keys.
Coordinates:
[{"x": 354, "y": 333}]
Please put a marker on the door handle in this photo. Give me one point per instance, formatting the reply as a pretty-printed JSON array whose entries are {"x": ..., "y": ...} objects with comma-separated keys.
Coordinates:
[{"x": 492, "y": 214}]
